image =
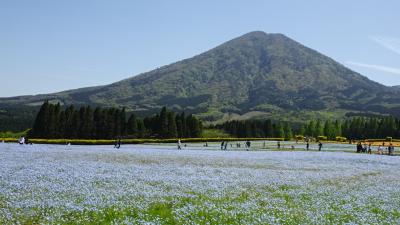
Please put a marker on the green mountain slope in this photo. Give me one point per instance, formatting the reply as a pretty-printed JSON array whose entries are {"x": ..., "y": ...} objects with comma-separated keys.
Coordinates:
[{"x": 255, "y": 75}]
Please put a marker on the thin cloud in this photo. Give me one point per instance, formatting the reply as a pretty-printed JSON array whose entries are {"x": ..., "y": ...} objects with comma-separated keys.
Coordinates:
[
  {"x": 393, "y": 44},
  {"x": 375, "y": 67}
]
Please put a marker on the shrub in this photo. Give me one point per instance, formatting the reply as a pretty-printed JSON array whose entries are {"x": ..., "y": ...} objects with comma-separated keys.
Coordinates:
[
  {"x": 341, "y": 139},
  {"x": 299, "y": 137},
  {"x": 322, "y": 138}
]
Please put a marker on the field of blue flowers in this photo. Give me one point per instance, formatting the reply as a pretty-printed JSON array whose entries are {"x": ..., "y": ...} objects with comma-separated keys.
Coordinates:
[{"x": 158, "y": 184}]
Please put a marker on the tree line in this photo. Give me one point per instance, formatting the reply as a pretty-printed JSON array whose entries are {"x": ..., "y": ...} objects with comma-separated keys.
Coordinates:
[
  {"x": 257, "y": 129},
  {"x": 52, "y": 122},
  {"x": 356, "y": 128}
]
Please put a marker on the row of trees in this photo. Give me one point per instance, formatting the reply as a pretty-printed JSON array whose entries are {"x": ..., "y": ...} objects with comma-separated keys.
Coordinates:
[
  {"x": 257, "y": 129},
  {"x": 52, "y": 121},
  {"x": 354, "y": 128},
  {"x": 368, "y": 128}
]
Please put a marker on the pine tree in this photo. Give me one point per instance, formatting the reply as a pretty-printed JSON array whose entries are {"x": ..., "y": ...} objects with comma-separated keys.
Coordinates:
[
  {"x": 75, "y": 125},
  {"x": 122, "y": 121},
  {"x": 185, "y": 132},
  {"x": 141, "y": 129},
  {"x": 302, "y": 130},
  {"x": 280, "y": 132},
  {"x": 338, "y": 129},
  {"x": 319, "y": 129},
  {"x": 311, "y": 129},
  {"x": 329, "y": 131},
  {"x": 87, "y": 123},
  {"x": 193, "y": 127},
  {"x": 55, "y": 121},
  {"x": 288, "y": 131},
  {"x": 172, "y": 129},
  {"x": 39, "y": 130},
  {"x": 68, "y": 129},
  {"x": 132, "y": 126},
  {"x": 163, "y": 122},
  {"x": 179, "y": 126}
]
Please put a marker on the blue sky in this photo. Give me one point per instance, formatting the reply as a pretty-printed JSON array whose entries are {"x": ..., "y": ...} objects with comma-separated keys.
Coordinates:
[{"x": 49, "y": 46}]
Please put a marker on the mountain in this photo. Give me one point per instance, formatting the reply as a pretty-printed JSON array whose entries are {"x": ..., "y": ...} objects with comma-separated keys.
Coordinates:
[{"x": 256, "y": 75}]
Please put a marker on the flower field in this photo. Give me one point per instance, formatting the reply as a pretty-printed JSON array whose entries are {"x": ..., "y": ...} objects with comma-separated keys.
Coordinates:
[{"x": 157, "y": 184}]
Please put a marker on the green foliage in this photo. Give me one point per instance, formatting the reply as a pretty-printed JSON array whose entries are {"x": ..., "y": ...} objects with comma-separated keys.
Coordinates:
[
  {"x": 109, "y": 123},
  {"x": 299, "y": 137},
  {"x": 15, "y": 118},
  {"x": 371, "y": 128},
  {"x": 357, "y": 128},
  {"x": 255, "y": 129},
  {"x": 288, "y": 131},
  {"x": 322, "y": 138},
  {"x": 9, "y": 134},
  {"x": 214, "y": 133},
  {"x": 340, "y": 139}
]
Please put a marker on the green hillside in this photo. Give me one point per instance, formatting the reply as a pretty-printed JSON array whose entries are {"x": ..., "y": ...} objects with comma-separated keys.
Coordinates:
[{"x": 256, "y": 75}]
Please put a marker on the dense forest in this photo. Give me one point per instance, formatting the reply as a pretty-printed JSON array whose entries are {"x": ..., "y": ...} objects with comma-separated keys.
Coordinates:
[
  {"x": 354, "y": 128},
  {"x": 16, "y": 118},
  {"x": 108, "y": 123}
]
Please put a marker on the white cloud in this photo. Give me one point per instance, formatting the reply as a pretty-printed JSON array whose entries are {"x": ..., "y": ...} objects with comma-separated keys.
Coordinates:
[
  {"x": 390, "y": 43},
  {"x": 375, "y": 67}
]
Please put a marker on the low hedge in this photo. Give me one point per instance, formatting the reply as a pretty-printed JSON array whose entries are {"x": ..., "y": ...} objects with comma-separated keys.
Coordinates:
[{"x": 135, "y": 141}]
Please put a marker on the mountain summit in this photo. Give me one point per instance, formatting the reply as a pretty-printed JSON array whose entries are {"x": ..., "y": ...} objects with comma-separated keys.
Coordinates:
[{"x": 254, "y": 75}]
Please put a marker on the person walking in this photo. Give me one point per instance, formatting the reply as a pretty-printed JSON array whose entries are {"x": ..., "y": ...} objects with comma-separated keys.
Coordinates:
[
  {"x": 279, "y": 144},
  {"x": 248, "y": 144},
  {"x": 380, "y": 151},
  {"x": 391, "y": 149},
  {"x": 225, "y": 145},
  {"x": 365, "y": 148},
  {"x": 359, "y": 147},
  {"x": 319, "y": 146},
  {"x": 117, "y": 143},
  {"x": 222, "y": 145},
  {"x": 369, "y": 149},
  {"x": 179, "y": 144},
  {"x": 21, "y": 140},
  {"x": 308, "y": 145}
]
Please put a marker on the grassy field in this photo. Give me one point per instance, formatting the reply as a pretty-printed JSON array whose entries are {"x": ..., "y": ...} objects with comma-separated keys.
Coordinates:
[{"x": 157, "y": 184}]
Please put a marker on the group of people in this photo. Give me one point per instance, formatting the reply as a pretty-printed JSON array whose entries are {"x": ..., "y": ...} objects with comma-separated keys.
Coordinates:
[
  {"x": 247, "y": 145},
  {"x": 361, "y": 148},
  {"x": 366, "y": 148},
  {"x": 224, "y": 145},
  {"x": 320, "y": 145}
]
